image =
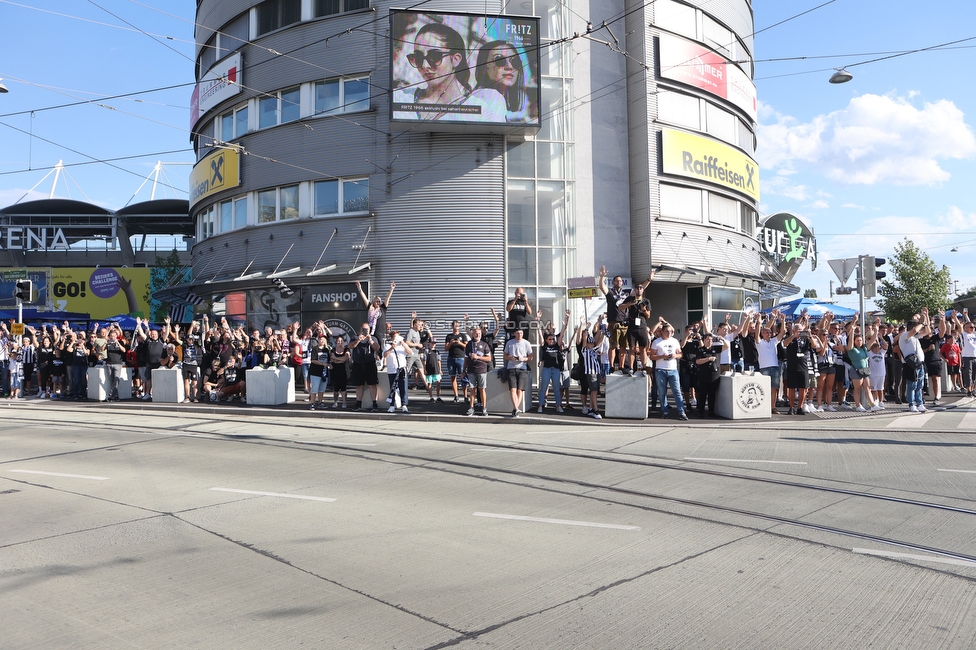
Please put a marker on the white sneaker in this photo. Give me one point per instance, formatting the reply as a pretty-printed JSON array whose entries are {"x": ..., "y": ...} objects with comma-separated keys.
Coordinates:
[
  {"x": 392, "y": 409},
  {"x": 819, "y": 409},
  {"x": 559, "y": 409},
  {"x": 921, "y": 408},
  {"x": 913, "y": 409},
  {"x": 540, "y": 408},
  {"x": 830, "y": 407},
  {"x": 861, "y": 409},
  {"x": 694, "y": 402},
  {"x": 877, "y": 407},
  {"x": 586, "y": 409},
  {"x": 404, "y": 410}
]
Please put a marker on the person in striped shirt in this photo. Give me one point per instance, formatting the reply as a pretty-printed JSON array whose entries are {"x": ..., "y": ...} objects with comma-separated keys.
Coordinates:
[{"x": 588, "y": 342}]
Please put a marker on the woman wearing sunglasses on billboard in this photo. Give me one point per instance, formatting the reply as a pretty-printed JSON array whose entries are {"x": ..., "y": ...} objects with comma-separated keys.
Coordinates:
[
  {"x": 439, "y": 55},
  {"x": 500, "y": 69}
]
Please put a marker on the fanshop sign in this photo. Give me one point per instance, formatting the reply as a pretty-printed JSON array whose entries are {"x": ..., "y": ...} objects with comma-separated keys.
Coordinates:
[
  {"x": 217, "y": 172},
  {"x": 706, "y": 160}
]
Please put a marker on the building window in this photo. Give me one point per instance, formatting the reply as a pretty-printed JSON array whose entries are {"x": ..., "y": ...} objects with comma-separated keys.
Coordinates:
[
  {"x": 233, "y": 124},
  {"x": 352, "y": 194},
  {"x": 206, "y": 222},
  {"x": 240, "y": 213},
  {"x": 696, "y": 304},
  {"x": 723, "y": 211},
  {"x": 226, "y": 216},
  {"x": 341, "y": 96},
  {"x": 748, "y": 221},
  {"x": 279, "y": 108},
  {"x": 275, "y": 14},
  {"x": 208, "y": 56},
  {"x": 205, "y": 139},
  {"x": 682, "y": 203},
  {"x": 278, "y": 204},
  {"x": 332, "y": 7},
  {"x": 233, "y": 35}
]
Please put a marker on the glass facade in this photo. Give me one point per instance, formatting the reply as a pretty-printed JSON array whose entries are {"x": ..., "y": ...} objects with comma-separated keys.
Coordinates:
[{"x": 540, "y": 213}]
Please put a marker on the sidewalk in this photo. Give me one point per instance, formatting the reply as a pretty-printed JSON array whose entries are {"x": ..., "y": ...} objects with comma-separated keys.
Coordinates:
[{"x": 422, "y": 409}]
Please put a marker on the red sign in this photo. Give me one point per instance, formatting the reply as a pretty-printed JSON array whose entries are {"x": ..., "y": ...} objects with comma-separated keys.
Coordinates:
[{"x": 698, "y": 66}]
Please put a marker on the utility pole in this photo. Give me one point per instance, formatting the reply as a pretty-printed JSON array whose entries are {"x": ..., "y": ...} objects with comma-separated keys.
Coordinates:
[{"x": 860, "y": 291}]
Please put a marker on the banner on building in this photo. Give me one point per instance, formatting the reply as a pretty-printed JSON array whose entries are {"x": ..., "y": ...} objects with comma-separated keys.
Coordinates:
[
  {"x": 100, "y": 291},
  {"x": 464, "y": 69},
  {"x": 709, "y": 161},
  {"x": 214, "y": 173},
  {"x": 698, "y": 66}
]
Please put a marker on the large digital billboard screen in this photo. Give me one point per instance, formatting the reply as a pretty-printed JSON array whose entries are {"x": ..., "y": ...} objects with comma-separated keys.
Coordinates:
[{"x": 464, "y": 69}]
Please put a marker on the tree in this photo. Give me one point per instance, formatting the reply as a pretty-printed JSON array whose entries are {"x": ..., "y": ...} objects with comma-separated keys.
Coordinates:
[
  {"x": 915, "y": 282},
  {"x": 161, "y": 275},
  {"x": 970, "y": 293},
  {"x": 810, "y": 293}
]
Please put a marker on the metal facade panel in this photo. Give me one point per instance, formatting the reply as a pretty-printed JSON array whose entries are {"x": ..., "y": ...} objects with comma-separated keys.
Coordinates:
[{"x": 735, "y": 14}]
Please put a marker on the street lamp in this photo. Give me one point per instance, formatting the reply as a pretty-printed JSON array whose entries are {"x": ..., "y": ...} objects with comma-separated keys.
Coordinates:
[
  {"x": 3, "y": 89},
  {"x": 840, "y": 76}
]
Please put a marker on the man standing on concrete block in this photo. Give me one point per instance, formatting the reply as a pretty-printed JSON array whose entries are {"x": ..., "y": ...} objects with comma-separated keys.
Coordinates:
[{"x": 518, "y": 352}]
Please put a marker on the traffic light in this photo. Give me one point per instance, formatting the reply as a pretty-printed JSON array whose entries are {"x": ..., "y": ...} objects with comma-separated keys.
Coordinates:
[
  {"x": 24, "y": 291},
  {"x": 872, "y": 274}
]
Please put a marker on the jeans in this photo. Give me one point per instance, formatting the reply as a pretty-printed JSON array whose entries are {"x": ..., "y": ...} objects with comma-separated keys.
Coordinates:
[
  {"x": 398, "y": 383},
  {"x": 552, "y": 375},
  {"x": 968, "y": 367},
  {"x": 79, "y": 381},
  {"x": 667, "y": 378},
  {"x": 913, "y": 388}
]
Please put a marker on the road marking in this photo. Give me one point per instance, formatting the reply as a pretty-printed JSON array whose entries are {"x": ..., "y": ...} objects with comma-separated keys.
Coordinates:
[
  {"x": 506, "y": 451},
  {"x": 273, "y": 494},
  {"x": 908, "y": 556},
  {"x": 90, "y": 478},
  {"x": 911, "y": 421},
  {"x": 968, "y": 421},
  {"x": 333, "y": 443},
  {"x": 746, "y": 460},
  {"x": 959, "y": 471},
  {"x": 564, "y": 522}
]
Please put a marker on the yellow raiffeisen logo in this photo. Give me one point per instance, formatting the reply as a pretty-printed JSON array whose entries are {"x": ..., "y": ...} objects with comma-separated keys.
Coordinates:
[
  {"x": 217, "y": 172},
  {"x": 705, "y": 160}
]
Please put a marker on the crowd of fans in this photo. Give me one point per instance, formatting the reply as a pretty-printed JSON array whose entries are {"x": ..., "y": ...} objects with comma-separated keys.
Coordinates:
[{"x": 813, "y": 365}]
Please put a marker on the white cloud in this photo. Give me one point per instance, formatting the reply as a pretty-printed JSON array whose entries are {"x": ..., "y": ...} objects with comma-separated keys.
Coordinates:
[
  {"x": 875, "y": 139},
  {"x": 9, "y": 197},
  {"x": 819, "y": 205}
]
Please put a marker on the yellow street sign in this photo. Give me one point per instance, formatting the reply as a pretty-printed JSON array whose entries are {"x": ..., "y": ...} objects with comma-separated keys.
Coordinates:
[
  {"x": 585, "y": 292},
  {"x": 17, "y": 329}
]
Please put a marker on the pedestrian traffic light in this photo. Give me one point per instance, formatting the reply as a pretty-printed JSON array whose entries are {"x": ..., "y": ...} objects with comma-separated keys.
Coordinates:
[
  {"x": 872, "y": 274},
  {"x": 24, "y": 291}
]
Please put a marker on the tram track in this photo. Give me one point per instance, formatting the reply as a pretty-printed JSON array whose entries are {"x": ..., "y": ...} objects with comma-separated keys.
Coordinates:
[{"x": 644, "y": 499}]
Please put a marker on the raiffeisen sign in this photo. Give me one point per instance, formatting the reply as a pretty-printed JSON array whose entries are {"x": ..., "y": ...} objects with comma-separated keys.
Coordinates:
[{"x": 28, "y": 238}]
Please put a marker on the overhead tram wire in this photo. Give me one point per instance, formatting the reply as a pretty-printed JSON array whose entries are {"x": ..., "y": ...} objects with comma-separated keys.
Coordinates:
[
  {"x": 93, "y": 158},
  {"x": 154, "y": 154}
]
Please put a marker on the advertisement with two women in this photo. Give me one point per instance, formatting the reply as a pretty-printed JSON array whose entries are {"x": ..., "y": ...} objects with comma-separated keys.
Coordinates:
[{"x": 465, "y": 69}]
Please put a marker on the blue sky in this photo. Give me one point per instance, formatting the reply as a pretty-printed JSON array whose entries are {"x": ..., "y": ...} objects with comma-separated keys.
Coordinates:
[{"x": 885, "y": 157}]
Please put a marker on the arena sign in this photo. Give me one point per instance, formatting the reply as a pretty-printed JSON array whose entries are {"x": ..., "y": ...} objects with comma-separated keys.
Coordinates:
[{"x": 29, "y": 238}]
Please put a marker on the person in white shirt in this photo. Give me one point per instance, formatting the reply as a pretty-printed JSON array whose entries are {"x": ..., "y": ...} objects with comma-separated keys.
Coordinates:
[
  {"x": 518, "y": 352},
  {"x": 767, "y": 339},
  {"x": 666, "y": 351},
  {"x": 396, "y": 364},
  {"x": 913, "y": 356},
  {"x": 967, "y": 342}
]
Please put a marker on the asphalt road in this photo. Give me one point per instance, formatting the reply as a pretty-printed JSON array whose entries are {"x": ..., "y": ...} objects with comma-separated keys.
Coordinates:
[{"x": 145, "y": 527}]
